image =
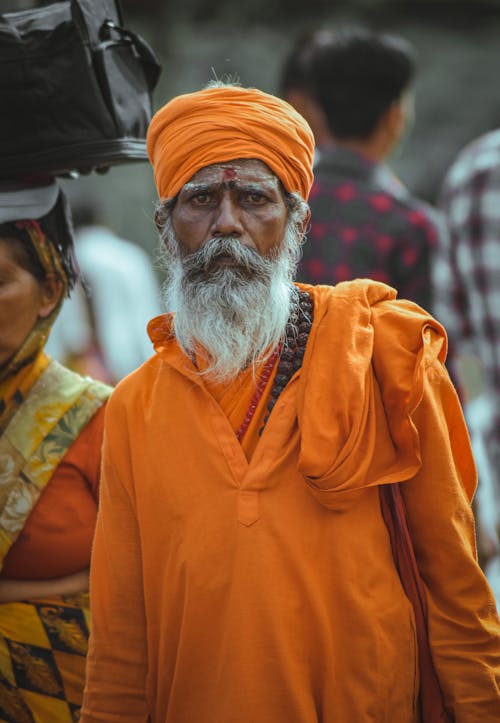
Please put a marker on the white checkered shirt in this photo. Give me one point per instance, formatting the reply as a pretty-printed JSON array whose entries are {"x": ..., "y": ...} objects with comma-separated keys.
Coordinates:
[{"x": 466, "y": 268}]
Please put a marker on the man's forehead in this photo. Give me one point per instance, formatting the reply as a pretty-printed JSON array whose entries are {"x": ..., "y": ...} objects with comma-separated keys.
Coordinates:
[{"x": 247, "y": 170}]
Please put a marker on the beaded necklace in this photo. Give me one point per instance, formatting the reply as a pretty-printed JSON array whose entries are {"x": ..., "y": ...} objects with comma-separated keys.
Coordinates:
[
  {"x": 261, "y": 385},
  {"x": 290, "y": 353},
  {"x": 293, "y": 349}
]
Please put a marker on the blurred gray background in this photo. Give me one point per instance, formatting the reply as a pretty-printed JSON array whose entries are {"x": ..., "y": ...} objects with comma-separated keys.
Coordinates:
[{"x": 457, "y": 90}]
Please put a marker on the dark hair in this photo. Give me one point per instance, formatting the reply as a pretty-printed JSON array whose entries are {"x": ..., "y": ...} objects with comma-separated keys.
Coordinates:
[
  {"x": 354, "y": 75},
  {"x": 22, "y": 249},
  {"x": 57, "y": 227},
  {"x": 295, "y": 72}
]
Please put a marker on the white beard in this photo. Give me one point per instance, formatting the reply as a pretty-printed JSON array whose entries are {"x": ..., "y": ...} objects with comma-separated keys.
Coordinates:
[{"x": 233, "y": 314}]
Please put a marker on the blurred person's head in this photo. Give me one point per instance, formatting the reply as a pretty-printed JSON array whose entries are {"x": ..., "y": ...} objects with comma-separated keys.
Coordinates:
[
  {"x": 233, "y": 168},
  {"x": 353, "y": 86},
  {"x": 37, "y": 269}
]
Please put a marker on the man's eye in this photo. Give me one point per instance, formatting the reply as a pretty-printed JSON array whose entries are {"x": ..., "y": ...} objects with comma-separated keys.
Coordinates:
[
  {"x": 255, "y": 198},
  {"x": 201, "y": 199}
]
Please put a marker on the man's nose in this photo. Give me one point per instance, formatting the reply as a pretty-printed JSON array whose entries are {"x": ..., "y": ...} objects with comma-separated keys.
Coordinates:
[{"x": 226, "y": 221}]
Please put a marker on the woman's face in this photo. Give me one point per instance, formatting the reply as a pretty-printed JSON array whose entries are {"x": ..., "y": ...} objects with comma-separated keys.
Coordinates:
[{"x": 23, "y": 300}]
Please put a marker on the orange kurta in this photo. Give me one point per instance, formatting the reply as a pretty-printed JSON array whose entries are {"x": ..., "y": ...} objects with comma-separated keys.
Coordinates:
[{"x": 234, "y": 591}]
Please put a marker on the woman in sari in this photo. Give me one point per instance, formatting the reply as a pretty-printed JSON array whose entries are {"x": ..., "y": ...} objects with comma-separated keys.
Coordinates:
[{"x": 50, "y": 437}]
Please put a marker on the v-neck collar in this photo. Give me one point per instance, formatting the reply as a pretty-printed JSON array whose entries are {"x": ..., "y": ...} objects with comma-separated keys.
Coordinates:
[{"x": 160, "y": 330}]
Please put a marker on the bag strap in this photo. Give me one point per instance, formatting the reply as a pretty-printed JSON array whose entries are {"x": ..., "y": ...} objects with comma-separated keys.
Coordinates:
[
  {"x": 100, "y": 21},
  {"x": 143, "y": 50},
  {"x": 431, "y": 700},
  {"x": 89, "y": 16}
]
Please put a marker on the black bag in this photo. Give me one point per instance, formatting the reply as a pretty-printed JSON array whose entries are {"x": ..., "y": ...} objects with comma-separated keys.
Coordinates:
[{"x": 75, "y": 89}]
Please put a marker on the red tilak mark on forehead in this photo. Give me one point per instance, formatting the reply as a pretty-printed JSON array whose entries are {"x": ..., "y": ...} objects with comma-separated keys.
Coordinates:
[{"x": 229, "y": 174}]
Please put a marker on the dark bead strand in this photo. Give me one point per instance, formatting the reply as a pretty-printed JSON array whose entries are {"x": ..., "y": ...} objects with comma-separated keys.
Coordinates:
[
  {"x": 294, "y": 347},
  {"x": 261, "y": 385},
  {"x": 287, "y": 368},
  {"x": 281, "y": 379}
]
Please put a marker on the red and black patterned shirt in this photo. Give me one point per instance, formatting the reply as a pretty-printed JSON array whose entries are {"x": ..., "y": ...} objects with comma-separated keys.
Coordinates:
[{"x": 365, "y": 224}]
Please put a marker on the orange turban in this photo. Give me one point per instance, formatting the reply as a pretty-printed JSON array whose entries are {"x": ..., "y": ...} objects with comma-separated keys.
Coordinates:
[{"x": 225, "y": 123}]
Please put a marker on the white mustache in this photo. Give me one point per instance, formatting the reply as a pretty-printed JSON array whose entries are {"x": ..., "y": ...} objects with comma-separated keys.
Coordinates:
[{"x": 206, "y": 257}]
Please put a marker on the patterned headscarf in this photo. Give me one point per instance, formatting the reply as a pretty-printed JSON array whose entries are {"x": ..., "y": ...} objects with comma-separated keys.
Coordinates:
[{"x": 55, "y": 255}]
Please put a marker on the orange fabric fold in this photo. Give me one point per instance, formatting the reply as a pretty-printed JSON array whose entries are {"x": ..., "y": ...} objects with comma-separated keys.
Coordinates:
[
  {"x": 378, "y": 354},
  {"x": 222, "y": 124}
]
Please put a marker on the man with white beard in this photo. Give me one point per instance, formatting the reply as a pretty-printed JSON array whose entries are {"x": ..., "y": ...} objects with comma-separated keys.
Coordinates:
[
  {"x": 285, "y": 532},
  {"x": 232, "y": 295}
]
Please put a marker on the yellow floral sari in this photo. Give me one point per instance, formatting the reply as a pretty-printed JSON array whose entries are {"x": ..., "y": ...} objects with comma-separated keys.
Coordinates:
[
  {"x": 43, "y": 643},
  {"x": 43, "y": 409}
]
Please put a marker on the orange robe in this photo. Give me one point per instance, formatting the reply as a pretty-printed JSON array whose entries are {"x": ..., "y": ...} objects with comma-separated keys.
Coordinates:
[{"x": 263, "y": 590}]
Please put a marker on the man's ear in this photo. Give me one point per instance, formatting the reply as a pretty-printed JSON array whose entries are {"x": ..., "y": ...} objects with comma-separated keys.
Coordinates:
[
  {"x": 395, "y": 120},
  {"x": 388, "y": 131},
  {"x": 303, "y": 226},
  {"x": 157, "y": 219},
  {"x": 162, "y": 209},
  {"x": 51, "y": 289}
]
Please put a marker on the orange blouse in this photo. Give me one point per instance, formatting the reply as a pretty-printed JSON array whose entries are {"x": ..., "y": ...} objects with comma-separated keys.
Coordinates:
[{"x": 57, "y": 537}]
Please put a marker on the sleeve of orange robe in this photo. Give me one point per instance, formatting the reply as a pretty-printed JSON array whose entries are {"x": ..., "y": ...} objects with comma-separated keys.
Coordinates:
[
  {"x": 116, "y": 678},
  {"x": 463, "y": 627}
]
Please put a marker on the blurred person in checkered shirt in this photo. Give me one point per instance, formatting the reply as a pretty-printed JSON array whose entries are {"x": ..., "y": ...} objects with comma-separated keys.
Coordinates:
[
  {"x": 467, "y": 301},
  {"x": 354, "y": 87}
]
